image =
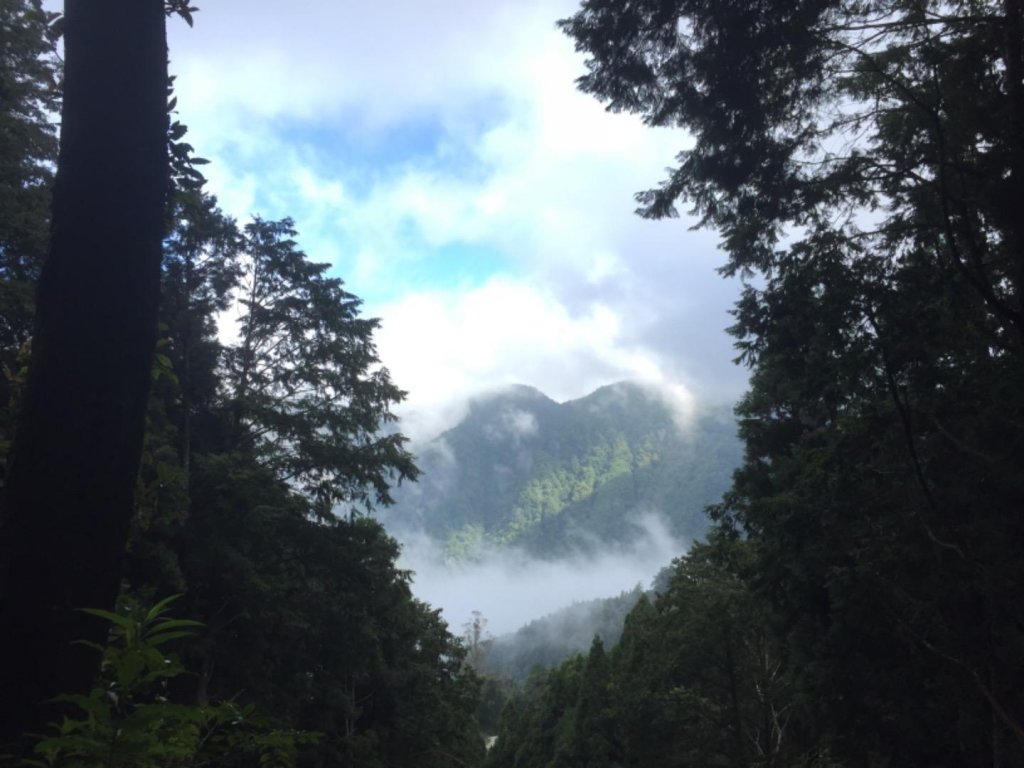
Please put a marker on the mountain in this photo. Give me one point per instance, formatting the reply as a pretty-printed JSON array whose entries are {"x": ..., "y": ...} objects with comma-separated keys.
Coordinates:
[
  {"x": 521, "y": 469},
  {"x": 548, "y": 641}
]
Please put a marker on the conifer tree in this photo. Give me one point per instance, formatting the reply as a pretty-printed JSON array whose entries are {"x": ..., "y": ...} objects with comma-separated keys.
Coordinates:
[
  {"x": 29, "y": 94},
  {"x": 864, "y": 162}
]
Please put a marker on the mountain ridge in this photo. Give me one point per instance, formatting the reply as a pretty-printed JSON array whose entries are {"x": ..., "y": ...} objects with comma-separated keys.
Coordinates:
[{"x": 521, "y": 469}]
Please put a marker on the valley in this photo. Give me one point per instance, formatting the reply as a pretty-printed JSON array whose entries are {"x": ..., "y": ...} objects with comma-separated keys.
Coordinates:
[{"x": 537, "y": 514}]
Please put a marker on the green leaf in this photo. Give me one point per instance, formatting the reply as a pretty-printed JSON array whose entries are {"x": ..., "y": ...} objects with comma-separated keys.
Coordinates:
[
  {"x": 169, "y": 624},
  {"x": 154, "y": 613},
  {"x": 163, "y": 637},
  {"x": 130, "y": 670},
  {"x": 90, "y": 644}
]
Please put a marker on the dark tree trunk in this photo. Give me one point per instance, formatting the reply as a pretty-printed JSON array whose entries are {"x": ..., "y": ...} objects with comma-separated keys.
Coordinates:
[{"x": 69, "y": 494}]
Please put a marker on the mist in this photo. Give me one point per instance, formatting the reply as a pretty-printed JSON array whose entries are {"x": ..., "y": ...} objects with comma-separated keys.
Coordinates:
[{"x": 510, "y": 587}]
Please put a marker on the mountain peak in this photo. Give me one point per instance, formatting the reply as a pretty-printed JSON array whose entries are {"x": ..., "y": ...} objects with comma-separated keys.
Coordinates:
[
  {"x": 513, "y": 393},
  {"x": 521, "y": 469}
]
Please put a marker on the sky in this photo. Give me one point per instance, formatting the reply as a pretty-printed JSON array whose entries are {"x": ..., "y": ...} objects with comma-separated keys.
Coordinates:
[{"x": 439, "y": 157}]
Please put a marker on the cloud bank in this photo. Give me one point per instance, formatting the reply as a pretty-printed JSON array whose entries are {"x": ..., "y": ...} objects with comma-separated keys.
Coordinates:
[
  {"x": 440, "y": 158},
  {"x": 511, "y": 588}
]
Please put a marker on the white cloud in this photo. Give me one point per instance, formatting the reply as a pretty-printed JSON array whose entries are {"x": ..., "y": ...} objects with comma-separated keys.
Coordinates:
[
  {"x": 521, "y": 424},
  {"x": 510, "y": 588},
  {"x": 293, "y": 105},
  {"x": 449, "y": 345},
  {"x": 386, "y": 59}
]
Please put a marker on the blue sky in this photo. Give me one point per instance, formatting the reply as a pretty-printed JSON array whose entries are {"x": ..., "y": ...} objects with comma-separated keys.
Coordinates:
[{"x": 439, "y": 157}]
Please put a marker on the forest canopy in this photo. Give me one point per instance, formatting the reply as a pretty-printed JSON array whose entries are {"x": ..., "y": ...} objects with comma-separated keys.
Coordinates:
[
  {"x": 863, "y": 164},
  {"x": 859, "y": 598},
  {"x": 257, "y": 461}
]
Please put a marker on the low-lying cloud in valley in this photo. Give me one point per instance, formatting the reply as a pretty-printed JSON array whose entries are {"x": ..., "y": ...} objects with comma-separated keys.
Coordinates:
[{"x": 511, "y": 587}]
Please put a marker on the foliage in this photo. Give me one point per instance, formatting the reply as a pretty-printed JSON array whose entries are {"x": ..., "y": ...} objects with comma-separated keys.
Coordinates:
[
  {"x": 128, "y": 720},
  {"x": 306, "y": 389},
  {"x": 550, "y": 640},
  {"x": 250, "y": 446},
  {"x": 862, "y": 163},
  {"x": 29, "y": 82},
  {"x": 695, "y": 679},
  {"x": 260, "y": 457}
]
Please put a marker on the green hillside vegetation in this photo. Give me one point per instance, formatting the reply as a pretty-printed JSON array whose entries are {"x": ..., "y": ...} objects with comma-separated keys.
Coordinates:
[
  {"x": 695, "y": 679},
  {"x": 521, "y": 469},
  {"x": 548, "y": 641}
]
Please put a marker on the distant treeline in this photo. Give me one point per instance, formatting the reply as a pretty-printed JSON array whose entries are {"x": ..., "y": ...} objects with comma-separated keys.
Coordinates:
[{"x": 549, "y": 641}]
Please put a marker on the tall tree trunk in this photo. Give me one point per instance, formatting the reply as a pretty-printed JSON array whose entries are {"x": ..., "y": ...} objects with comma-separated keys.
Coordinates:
[
  {"x": 734, "y": 696},
  {"x": 74, "y": 462}
]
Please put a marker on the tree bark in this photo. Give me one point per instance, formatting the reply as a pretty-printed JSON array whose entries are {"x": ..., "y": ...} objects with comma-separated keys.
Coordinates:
[{"x": 70, "y": 488}]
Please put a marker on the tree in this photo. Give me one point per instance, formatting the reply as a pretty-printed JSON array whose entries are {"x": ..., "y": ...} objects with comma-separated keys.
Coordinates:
[
  {"x": 864, "y": 162},
  {"x": 477, "y": 640},
  {"x": 538, "y": 724},
  {"x": 307, "y": 393},
  {"x": 29, "y": 88},
  {"x": 69, "y": 495},
  {"x": 253, "y": 547},
  {"x": 696, "y": 679},
  {"x": 809, "y": 113},
  {"x": 201, "y": 272}
]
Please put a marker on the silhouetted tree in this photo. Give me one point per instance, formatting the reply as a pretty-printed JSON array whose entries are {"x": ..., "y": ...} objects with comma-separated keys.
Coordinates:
[
  {"x": 69, "y": 495},
  {"x": 864, "y": 162}
]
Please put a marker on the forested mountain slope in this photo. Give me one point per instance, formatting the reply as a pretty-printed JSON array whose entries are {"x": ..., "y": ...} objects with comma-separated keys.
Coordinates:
[
  {"x": 548, "y": 641},
  {"x": 522, "y": 469}
]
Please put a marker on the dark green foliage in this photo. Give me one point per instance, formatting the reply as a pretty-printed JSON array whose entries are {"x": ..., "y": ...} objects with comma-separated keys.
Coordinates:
[
  {"x": 522, "y": 469},
  {"x": 548, "y": 641},
  {"x": 538, "y": 720},
  {"x": 306, "y": 391},
  {"x": 313, "y": 622},
  {"x": 865, "y": 162},
  {"x": 250, "y": 447},
  {"x": 696, "y": 679},
  {"x": 495, "y": 694},
  {"x": 127, "y": 719},
  {"x": 29, "y": 88}
]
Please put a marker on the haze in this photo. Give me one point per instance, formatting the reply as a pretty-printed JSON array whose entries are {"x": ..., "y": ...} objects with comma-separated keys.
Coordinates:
[{"x": 510, "y": 588}]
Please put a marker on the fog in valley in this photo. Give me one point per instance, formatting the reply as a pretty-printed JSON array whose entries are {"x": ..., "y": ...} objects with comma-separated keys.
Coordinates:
[{"x": 510, "y": 587}]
